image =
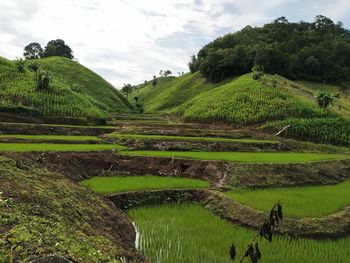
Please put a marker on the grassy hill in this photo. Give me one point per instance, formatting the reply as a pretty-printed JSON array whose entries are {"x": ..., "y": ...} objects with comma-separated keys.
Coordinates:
[
  {"x": 239, "y": 100},
  {"x": 74, "y": 90},
  {"x": 171, "y": 92},
  {"x": 273, "y": 102}
]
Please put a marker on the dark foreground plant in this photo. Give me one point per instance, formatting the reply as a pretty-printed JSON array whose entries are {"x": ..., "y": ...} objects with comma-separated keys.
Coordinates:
[{"x": 265, "y": 232}]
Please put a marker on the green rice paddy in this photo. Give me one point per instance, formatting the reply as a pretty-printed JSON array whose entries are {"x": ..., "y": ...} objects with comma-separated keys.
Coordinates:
[
  {"x": 56, "y": 147},
  {"x": 50, "y": 137},
  {"x": 58, "y": 125},
  {"x": 189, "y": 233},
  {"x": 186, "y": 138},
  {"x": 109, "y": 185},
  {"x": 312, "y": 201},
  {"x": 246, "y": 157}
]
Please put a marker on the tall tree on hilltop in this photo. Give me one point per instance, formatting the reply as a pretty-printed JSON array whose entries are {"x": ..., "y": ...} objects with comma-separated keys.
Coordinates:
[
  {"x": 58, "y": 48},
  {"x": 33, "y": 51}
]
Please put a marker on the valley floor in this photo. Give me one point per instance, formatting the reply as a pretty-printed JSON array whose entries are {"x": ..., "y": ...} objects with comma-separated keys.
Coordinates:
[{"x": 190, "y": 189}]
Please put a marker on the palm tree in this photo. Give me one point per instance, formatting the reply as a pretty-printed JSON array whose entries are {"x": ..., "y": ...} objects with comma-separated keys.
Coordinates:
[{"x": 324, "y": 99}]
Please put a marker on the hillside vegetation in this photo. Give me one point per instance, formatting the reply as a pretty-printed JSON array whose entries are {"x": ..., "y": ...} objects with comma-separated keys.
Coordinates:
[
  {"x": 47, "y": 214},
  {"x": 316, "y": 51},
  {"x": 74, "y": 90},
  {"x": 273, "y": 102},
  {"x": 247, "y": 101},
  {"x": 240, "y": 100}
]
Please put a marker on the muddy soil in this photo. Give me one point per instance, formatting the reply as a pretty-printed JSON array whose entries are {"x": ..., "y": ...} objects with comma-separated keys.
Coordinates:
[
  {"x": 176, "y": 145},
  {"x": 40, "y": 129},
  {"x": 292, "y": 174},
  {"x": 82, "y": 165},
  {"x": 16, "y": 118},
  {"x": 207, "y": 131}
]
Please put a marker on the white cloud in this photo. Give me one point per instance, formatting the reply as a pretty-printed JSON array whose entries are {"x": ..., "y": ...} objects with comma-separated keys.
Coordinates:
[{"x": 131, "y": 40}]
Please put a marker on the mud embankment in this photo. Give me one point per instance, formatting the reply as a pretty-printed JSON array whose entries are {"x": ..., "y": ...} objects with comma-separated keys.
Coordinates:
[
  {"x": 46, "y": 129},
  {"x": 187, "y": 145},
  {"x": 82, "y": 165},
  {"x": 288, "y": 174}
]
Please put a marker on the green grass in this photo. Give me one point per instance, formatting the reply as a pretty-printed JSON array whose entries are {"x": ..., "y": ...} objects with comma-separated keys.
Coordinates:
[
  {"x": 186, "y": 138},
  {"x": 312, "y": 201},
  {"x": 189, "y": 233},
  {"x": 246, "y": 157},
  {"x": 55, "y": 147},
  {"x": 109, "y": 185},
  {"x": 50, "y": 137},
  {"x": 74, "y": 91}
]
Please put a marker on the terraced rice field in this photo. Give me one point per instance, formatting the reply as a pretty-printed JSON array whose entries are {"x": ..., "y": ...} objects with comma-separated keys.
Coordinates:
[
  {"x": 56, "y": 147},
  {"x": 109, "y": 185},
  {"x": 245, "y": 157},
  {"x": 58, "y": 125},
  {"x": 189, "y": 233},
  {"x": 186, "y": 138},
  {"x": 312, "y": 201},
  {"x": 50, "y": 137}
]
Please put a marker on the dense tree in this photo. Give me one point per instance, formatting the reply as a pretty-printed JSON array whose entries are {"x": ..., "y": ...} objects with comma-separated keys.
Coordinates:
[
  {"x": 315, "y": 51},
  {"x": 57, "y": 48},
  {"x": 126, "y": 90},
  {"x": 33, "y": 51},
  {"x": 193, "y": 65}
]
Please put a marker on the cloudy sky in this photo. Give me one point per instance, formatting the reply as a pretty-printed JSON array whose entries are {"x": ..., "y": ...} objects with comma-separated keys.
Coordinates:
[{"x": 128, "y": 41}]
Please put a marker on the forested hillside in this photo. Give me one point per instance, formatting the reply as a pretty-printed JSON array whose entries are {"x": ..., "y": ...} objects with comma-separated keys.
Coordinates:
[{"x": 317, "y": 51}]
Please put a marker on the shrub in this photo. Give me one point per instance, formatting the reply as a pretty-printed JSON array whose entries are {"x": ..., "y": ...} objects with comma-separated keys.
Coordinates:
[{"x": 20, "y": 65}]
